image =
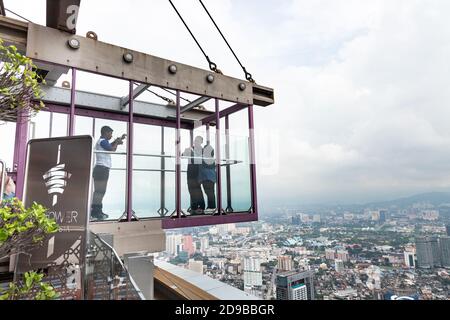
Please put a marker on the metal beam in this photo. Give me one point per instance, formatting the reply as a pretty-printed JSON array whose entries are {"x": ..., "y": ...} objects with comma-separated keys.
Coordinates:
[
  {"x": 63, "y": 14},
  {"x": 194, "y": 104},
  {"x": 88, "y": 100},
  {"x": 136, "y": 92},
  {"x": 14, "y": 32},
  {"x": 50, "y": 45},
  {"x": 223, "y": 113}
]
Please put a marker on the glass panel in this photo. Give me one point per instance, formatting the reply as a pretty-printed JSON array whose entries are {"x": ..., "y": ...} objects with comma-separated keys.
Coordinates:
[
  {"x": 237, "y": 164},
  {"x": 147, "y": 172},
  {"x": 84, "y": 125},
  {"x": 7, "y": 138},
  {"x": 48, "y": 125},
  {"x": 40, "y": 126},
  {"x": 185, "y": 192},
  {"x": 109, "y": 185},
  {"x": 169, "y": 150},
  {"x": 59, "y": 125}
]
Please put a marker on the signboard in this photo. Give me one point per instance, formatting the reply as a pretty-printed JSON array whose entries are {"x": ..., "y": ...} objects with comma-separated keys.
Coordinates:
[{"x": 58, "y": 176}]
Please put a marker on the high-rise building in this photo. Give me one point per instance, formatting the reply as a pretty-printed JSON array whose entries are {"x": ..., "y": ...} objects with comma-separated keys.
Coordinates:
[
  {"x": 317, "y": 218},
  {"x": 289, "y": 285},
  {"x": 375, "y": 215},
  {"x": 445, "y": 251},
  {"x": 296, "y": 220},
  {"x": 252, "y": 271},
  {"x": 188, "y": 244},
  {"x": 342, "y": 255},
  {"x": 382, "y": 216},
  {"x": 410, "y": 257},
  {"x": 430, "y": 215},
  {"x": 339, "y": 265},
  {"x": 285, "y": 263},
  {"x": 447, "y": 229},
  {"x": 428, "y": 252},
  {"x": 436, "y": 251},
  {"x": 299, "y": 292},
  {"x": 204, "y": 244},
  {"x": 330, "y": 254},
  {"x": 172, "y": 242}
]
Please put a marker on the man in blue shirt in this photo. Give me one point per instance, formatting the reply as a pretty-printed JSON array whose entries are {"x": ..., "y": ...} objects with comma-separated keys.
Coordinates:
[{"x": 101, "y": 170}]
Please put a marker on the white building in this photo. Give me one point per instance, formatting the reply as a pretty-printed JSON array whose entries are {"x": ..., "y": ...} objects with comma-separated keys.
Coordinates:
[
  {"x": 430, "y": 215},
  {"x": 410, "y": 257},
  {"x": 196, "y": 266},
  {"x": 299, "y": 292},
  {"x": 204, "y": 244},
  {"x": 342, "y": 255},
  {"x": 172, "y": 243},
  {"x": 285, "y": 263},
  {"x": 339, "y": 265},
  {"x": 252, "y": 272}
]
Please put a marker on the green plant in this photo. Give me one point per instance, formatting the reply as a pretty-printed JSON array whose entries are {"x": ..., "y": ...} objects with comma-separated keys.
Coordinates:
[
  {"x": 19, "y": 84},
  {"x": 32, "y": 286},
  {"x": 23, "y": 228}
]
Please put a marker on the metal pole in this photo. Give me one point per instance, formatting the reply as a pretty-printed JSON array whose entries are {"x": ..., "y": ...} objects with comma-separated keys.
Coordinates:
[
  {"x": 251, "y": 125},
  {"x": 178, "y": 158},
  {"x": 163, "y": 176},
  {"x": 130, "y": 156},
  {"x": 218, "y": 173},
  {"x": 72, "y": 103},
  {"x": 50, "y": 126},
  {"x": 208, "y": 134},
  {"x": 228, "y": 167},
  {"x": 20, "y": 151}
]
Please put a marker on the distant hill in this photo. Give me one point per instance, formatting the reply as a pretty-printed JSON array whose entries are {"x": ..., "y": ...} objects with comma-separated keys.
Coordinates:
[{"x": 434, "y": 198}]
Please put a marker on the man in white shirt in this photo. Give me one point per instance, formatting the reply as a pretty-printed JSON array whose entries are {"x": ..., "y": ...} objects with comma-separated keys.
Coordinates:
[{"x": 101, "y": 170}]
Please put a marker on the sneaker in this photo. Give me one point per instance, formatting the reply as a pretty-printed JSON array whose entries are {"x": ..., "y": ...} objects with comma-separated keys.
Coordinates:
[
  {"x": 210, "y": 211},
  {"x": 198, "y": 212},
  {"x": 98, "y": 216},
  {"x": 103, "y": 216}
]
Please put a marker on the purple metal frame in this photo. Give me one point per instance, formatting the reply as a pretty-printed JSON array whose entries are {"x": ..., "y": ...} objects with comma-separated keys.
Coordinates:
[
  {"x": 251, "y": 126},
  {"x": 230, "y": 110},
  {"x": 178, "y": 158},
  {"x": 218, "y": 167},
  {"x": 73, "y": 110},
  {"x": 20, "y": 151},
  {"x": 130, "y": 155},
  {"x": 72, "y": 102}
]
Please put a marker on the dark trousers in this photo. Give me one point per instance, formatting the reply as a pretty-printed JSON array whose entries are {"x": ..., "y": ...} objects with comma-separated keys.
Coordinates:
[
  {"x": 101, "y": 176},
  {"x": 208, "y": 186},
  {"x": 196, "y": 194}
]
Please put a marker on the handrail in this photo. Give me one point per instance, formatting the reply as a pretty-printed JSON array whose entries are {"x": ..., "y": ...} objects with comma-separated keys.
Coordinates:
[
  {"x": 113, "y": 261},
  {"x": 228, "y": 161}
]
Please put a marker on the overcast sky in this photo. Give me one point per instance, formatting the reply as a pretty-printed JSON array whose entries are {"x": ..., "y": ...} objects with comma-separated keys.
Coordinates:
[{"x": 362, "y": 100}]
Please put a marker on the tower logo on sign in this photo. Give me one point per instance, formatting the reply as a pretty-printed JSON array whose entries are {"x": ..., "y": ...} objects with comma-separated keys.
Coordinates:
[{"x": 56, "y": 179}]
